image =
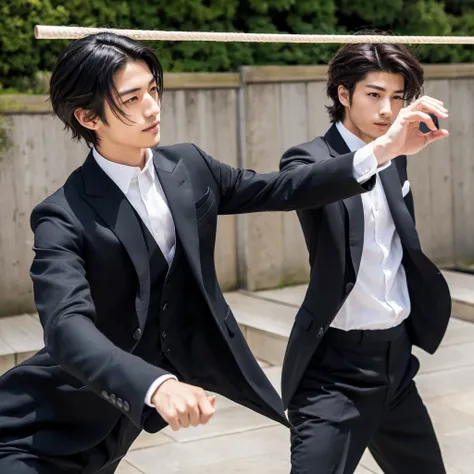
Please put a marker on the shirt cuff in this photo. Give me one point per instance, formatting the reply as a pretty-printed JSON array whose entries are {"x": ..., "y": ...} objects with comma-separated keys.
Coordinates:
[
  {"x": 154, "y": 386},
  {"x": 365, "y": 164}
]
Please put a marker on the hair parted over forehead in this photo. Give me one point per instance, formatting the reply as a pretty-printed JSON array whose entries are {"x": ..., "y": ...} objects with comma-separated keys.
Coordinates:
[
  {"x": 353, "y": 62},
  {"x": 83, "y": 78}
]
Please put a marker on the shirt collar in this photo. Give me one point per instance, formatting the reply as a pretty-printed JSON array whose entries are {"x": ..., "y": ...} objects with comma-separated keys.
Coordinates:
[
  {"x": 353, "y": 142},
  {"x": 122, "y": 175}
]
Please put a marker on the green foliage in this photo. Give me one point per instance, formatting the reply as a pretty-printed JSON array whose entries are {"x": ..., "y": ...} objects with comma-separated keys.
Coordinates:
[
  {"x": 24, "y": 60},
  {"x": 5, "y": 140}
]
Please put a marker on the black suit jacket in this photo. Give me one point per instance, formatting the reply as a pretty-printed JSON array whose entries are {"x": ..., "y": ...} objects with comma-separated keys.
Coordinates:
[
  {"x": 91, "y": 282},
  {"x": 334, "y": 235}
]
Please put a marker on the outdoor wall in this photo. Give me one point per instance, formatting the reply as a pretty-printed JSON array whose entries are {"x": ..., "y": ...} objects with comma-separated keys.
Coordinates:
[{"x": 246, "y": 120}]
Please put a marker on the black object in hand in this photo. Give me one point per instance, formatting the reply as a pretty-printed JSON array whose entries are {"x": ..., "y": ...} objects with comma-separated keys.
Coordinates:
[{"x": 424, "y": 128}]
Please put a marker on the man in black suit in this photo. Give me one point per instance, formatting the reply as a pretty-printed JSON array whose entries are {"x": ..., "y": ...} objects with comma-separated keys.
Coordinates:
[
  {"x": 348, "y": 369},
  {"x": 135, "y": 324}
]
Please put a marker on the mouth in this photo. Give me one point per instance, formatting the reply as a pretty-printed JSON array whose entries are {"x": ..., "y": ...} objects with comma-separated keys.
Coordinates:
[
  {"x": 153, "y": 127},
  {"x": 382, "y": 124}
]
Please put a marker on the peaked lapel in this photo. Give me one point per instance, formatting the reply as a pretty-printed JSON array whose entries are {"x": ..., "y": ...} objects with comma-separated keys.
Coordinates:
[
  {"x": 400, "y": 213},
  {"x": 179, "y": 193},
  {"x": 355, "y": 211},
  {"x": 109, "y": 202}
]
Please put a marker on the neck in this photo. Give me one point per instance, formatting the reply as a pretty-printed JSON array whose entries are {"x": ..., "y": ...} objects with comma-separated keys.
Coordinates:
[
  {"x": 347, "y": 122},
  {"x": 124, "y": 156}
]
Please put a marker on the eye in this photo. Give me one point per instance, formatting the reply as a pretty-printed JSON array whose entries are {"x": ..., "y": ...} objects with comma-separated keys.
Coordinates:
[
  {"x": 154, "y": 89},
  {"x": 374, "y": 94},
  {"x": 131, "y": 100},
  {"x": 398, "y": 97}
]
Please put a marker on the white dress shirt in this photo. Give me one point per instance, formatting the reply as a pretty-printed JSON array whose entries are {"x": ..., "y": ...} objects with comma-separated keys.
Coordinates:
[
  {"x": 143, "y": 190},
  {"x": 379, "y": 299}
]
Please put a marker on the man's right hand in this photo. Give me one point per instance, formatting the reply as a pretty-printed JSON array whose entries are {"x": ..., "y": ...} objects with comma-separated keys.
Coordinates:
[
  {"x": 404, "y": 136},
  {"x": 182, "y": 405}
]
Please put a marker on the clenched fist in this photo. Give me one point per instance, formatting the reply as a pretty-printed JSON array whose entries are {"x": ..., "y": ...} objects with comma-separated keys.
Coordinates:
[{"x": 182, "y": 405}]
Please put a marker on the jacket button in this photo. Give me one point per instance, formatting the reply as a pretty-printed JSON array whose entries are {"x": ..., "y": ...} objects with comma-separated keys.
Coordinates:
[
  {"x": 320, "y": 333},
  {"x": 163, "y": 334},
  {"x": 105, "y": 395},
  {"x": 349, "y": 287},
  {"x": 165, "y": 307},
  {"x": 137, "y": 334},
  {"x": 126, "y": 407}
]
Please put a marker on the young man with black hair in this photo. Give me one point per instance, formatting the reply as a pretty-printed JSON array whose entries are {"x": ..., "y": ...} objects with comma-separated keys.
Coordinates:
[
  {"x": 135, "y": 324},
  {"x": 348, "y": 370}
]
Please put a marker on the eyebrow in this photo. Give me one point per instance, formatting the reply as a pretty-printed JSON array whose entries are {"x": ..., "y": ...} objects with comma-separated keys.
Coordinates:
[
  {"x": 378, "y": 88},
  {"x": 136, "y": 89}
]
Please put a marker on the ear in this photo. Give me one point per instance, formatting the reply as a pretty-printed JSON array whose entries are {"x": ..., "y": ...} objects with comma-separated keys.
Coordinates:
[
  {"x": 86, "y": 119},
  {"x": 343, "y": 95}
]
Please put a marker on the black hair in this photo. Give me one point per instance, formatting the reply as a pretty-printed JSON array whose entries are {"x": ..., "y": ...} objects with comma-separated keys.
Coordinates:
[
  {"x": 83, "y": 78},
  {"x": 353, "y": 62}
]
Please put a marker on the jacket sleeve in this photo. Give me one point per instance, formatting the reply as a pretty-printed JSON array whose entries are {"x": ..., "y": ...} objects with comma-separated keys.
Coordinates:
[
  {"x": 302, "y": 183},
  {"x": 66, "y": 310}
]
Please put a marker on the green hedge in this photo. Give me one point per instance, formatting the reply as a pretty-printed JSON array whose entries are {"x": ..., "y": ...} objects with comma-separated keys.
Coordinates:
[{"x": 23, "y": 60}]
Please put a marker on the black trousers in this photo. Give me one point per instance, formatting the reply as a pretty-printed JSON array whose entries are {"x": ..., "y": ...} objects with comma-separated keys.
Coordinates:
[
  {"x": 359, "y": 392},
  {"x": 97, "y": 460}
]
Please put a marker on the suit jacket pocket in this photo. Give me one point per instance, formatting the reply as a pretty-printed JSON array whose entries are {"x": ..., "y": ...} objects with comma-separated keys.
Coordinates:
[
  {"x": 203, "y": 198},
  {"x": 204, "y": 203}
]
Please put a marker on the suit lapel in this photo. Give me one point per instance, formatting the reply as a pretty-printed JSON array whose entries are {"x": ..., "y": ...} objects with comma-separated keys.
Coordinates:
[
  {"x": 400, "y": 214},
  {"x": 112, "y": 206},
  {"x": 179, "y": 193},
  {"x": 355, "y": 211}
]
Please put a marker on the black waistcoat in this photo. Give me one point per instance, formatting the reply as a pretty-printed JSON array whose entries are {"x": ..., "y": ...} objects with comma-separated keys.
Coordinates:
[{"x": 168, "y": 286}]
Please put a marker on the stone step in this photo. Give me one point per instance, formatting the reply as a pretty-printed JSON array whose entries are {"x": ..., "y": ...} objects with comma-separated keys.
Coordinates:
[
  {"x": 461, "y": 286},
  {"x": 20, "y": 337},
  {"x": 266, "y": 318}
]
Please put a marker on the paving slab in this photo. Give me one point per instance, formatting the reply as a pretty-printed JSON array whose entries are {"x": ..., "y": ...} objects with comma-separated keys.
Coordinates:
[
  {"x": 225, "y": 421},
  {"x": 148, "y": 440},
  {"x": 463, "y": 401},
  {"x": 446, "y": 382},
  {"x": 461, "y": 285},
  {"x": 458, "y": 332},
  {"x": 448, "y": 420},
  {"x": 268, "y": 445},
  {"x": 453, "y": 356},
  {"x": 127, "y": 468},
  {"x": 458, "y": 451}
]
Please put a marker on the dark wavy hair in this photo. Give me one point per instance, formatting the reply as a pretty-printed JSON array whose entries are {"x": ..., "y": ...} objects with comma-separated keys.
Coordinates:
[
  {"x": 83, "y": 78},
  {"x": 353, "y": 62}
]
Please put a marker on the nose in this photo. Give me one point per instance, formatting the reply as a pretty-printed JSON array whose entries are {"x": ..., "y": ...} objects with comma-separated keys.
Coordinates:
[
  {"x": 386, "y": 108},
  {"x": 153, "y": 106}
]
